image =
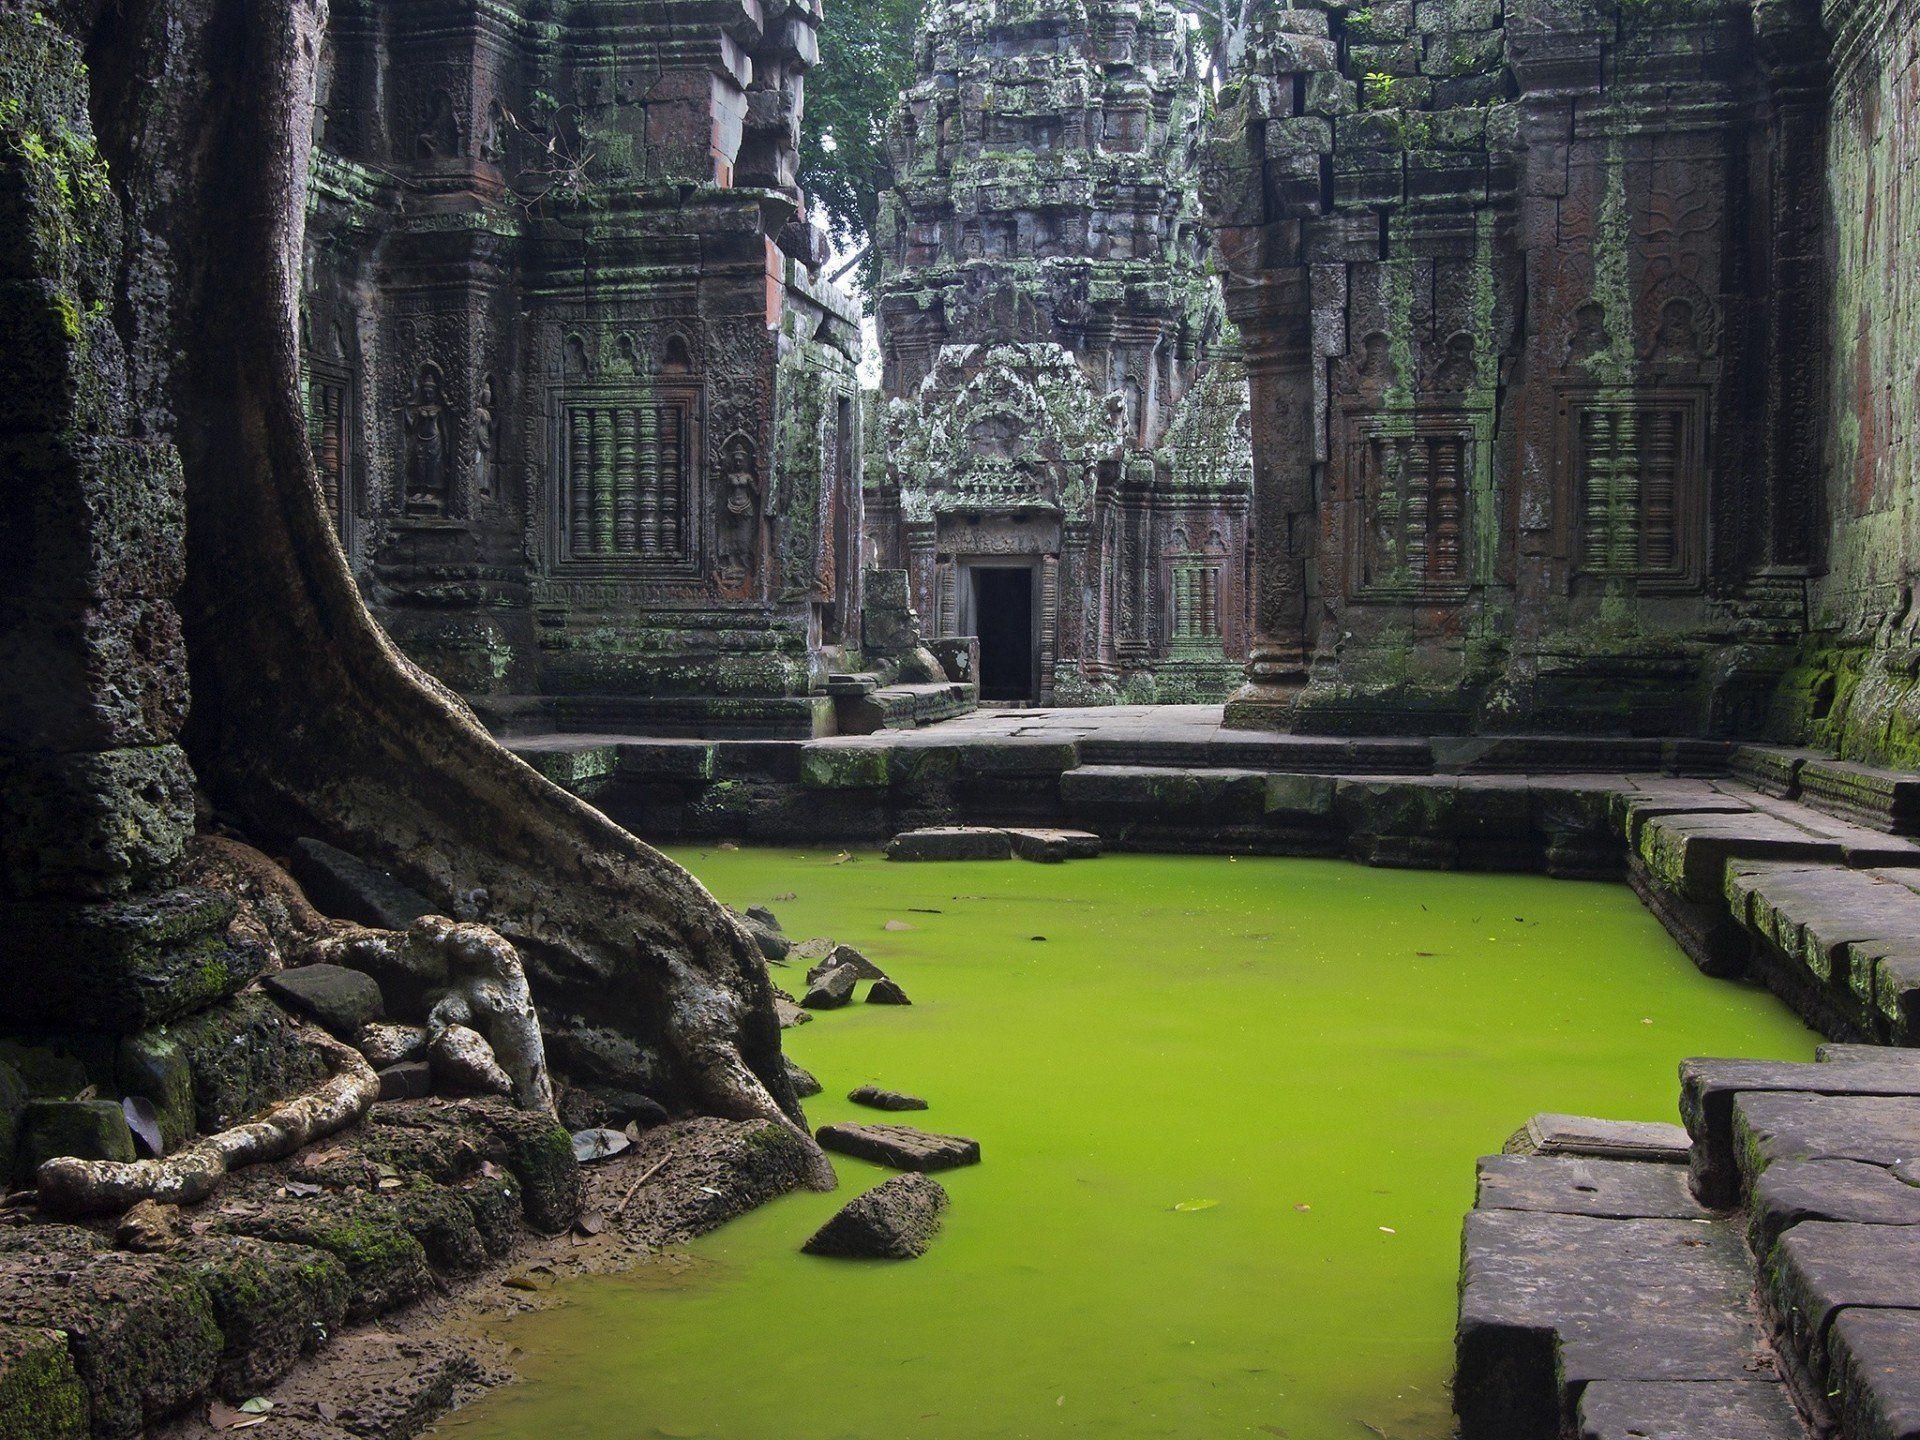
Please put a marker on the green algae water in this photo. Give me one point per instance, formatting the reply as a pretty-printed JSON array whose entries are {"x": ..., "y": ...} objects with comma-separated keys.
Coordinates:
[{"x": 1229, "y": 1112}]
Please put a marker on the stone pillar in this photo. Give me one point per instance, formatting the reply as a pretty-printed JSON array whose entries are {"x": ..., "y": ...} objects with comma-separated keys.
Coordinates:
[
  {"x": 1283, "y": 523},
  {"x": 96, "y": 797},
  {"x": 1792, "y": 50},
  {"x": 1263, "y": 176}
]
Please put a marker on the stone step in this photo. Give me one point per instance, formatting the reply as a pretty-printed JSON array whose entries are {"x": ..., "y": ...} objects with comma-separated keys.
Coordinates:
[
  {"x": 1565, "y": 1318},
  {"x": 1852, "y": 936},
  {"x": 1823, "y": 1271},
  {"x": 1713, "y": 1092}
]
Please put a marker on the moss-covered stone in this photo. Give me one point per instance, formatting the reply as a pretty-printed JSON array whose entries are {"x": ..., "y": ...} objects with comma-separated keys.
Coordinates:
[
  {"x": 272, "y": 1302},
  {"x": 41, "y": 1397},
  {"x": 90, "y": 1129}
]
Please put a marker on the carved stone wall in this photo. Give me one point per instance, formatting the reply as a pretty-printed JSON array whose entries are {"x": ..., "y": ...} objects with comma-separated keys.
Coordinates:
[
  {"x": 1060, "y": 391},
  {"x": 1526, "y": 296},
  {"x": 1858, "y": 686},
  {"x": 572, "y": 374}
]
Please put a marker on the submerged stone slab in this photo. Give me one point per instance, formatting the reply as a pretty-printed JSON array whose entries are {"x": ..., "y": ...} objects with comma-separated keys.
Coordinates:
[
  {"x": 1583, "y": 1185},
  {"x": 1549, "y": 1303},
  {"x": 1756, "y": 1409},
  {"x": 1048, "y": 845},
  {"x": 951, "y": 842},
  {"x": 901, "y": 1146},
  {"x": 1873, "y": 1369},
  {"x": 1554, "y": 1134},
  {"x": 881, "y": 1099},
  {"x": 895, "y": 1220}
]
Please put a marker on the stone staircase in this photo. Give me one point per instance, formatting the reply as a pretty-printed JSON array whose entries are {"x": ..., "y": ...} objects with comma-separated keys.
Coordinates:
[
  {"x": 1753, "y": 1276},
  {"x": 864, "y": 702}
]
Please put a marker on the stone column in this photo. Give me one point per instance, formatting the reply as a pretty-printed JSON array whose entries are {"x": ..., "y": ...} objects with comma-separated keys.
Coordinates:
[
  {"x": 1263, "y": 177},
  {"x": 1276, "y": 329},
  {"x": 96, "y": 797}
]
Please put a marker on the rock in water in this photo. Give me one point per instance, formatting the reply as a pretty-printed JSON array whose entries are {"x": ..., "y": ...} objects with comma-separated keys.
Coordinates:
[
  {"x": 804, "y": 1083},
  {"x": 893, "y": 1221},
  {"x": 880, "y": 1099},
  {"x": 901, "y": 1146},
  {"x": 887, "y": 992},
  {"x": 773, "y": 945},
  {"x": 832, "y": 990},
  {"x": 845, "y": 957},
  {"x": 789, "y": 1013},
  {"x": 341, "y": 1000}
]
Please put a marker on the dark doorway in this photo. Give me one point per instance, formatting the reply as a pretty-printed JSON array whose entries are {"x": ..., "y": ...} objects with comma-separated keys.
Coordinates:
[{"x": 1003, "y": 619}]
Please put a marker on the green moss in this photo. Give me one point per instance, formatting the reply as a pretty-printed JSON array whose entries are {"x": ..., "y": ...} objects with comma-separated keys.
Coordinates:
[{"x": 41, "y": 1397}]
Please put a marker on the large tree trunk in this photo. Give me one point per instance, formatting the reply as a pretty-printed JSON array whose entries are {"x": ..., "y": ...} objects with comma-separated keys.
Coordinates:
[{"x": 306, "y": 719}]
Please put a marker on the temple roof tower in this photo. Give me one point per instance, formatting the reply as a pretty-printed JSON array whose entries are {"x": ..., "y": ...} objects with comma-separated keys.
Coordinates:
[{"x": 1045, "y": 311}]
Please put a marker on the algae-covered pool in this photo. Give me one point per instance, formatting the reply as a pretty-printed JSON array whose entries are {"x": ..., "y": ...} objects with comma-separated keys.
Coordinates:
[{"x": 1229, "y": 1112}]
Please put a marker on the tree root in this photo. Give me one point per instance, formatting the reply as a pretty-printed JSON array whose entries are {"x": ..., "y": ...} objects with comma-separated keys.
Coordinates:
[
  {"x": 307, "y": 720},
  {"x": 71, "y": 1186}
]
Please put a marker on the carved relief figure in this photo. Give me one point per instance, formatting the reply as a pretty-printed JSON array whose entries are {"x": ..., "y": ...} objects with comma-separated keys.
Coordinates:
[
  {"x": 1678, "y": 338},
  {"x": 428, "y": 434},
  {"x": 739, "y": 515},
  {"x": 486, "y": 442},
  {"x": 440, "y": 138}
]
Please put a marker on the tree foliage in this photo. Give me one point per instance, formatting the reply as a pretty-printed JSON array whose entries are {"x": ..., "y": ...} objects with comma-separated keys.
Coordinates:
[{"x": 866, "y": 64}]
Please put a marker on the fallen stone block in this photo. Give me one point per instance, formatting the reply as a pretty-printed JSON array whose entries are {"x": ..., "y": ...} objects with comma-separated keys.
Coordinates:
[
  {"x": 788, "y": 1013},
  {"x": 887, "y": 992},
  {"x": 90, "y": 1129},
  {"x": 900, "y": 1146},
  {"x": 347, "y": 888},
  {"x": 951, "y": 842},
  {"x": 845, "y": 956},
  {"x": 40, "y": 1392},
  {"x": 881, "y": 1099},
  {"x": 895, "y": 1220},
  {"x": 341, "y": 1001},
  {"x": 408, "y": 1080}
]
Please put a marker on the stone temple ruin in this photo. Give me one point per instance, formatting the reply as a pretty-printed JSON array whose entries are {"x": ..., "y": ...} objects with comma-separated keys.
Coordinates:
[
  {"x": 1066, "y": 469},
  {"x": 582, "y": 402},
  {"x": 433, "y": 457}
]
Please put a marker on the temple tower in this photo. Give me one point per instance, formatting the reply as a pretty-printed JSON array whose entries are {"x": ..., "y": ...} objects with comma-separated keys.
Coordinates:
[{"x": 1067, "y": 459}]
